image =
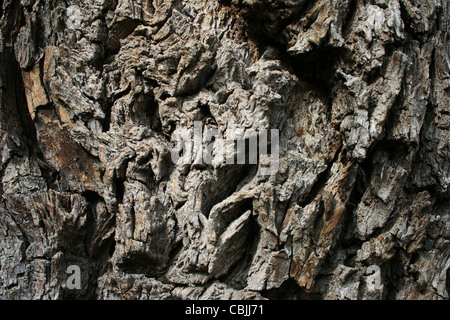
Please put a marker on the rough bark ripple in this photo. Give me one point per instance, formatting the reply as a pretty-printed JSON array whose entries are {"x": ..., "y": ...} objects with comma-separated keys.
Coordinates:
[{"x": 92, "y": 92}]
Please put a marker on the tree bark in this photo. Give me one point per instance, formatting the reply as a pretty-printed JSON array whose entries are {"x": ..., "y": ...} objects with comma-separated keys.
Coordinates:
[{"x": 94, "y": 98}]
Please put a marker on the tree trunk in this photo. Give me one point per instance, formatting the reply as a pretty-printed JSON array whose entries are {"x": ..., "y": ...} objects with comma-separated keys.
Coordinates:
[{"x": 98, "y": 100}]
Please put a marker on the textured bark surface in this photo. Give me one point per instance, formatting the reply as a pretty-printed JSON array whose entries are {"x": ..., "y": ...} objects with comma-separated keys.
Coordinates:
[{"x": 92, "y": 92}]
